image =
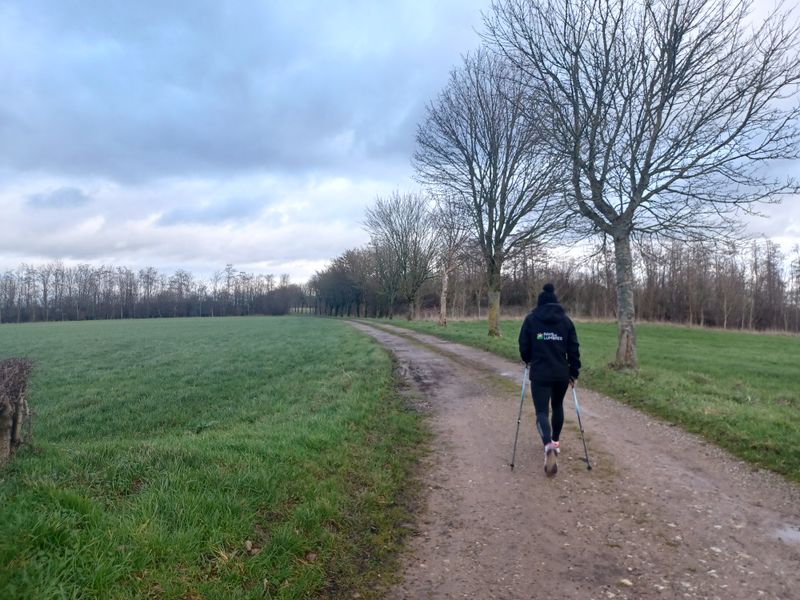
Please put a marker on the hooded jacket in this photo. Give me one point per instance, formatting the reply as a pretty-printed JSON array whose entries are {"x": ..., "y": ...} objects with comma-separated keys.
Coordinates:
[{"x": 549, "y": 343}]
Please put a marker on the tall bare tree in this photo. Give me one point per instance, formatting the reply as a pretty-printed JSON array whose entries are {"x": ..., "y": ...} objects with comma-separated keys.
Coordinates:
[
  {"x": 387, "y": 273},
  {"x": 664, "y": 112},
  {"x": 453, "y": 237},
  {"x": 403, "y": 231},
  {"x": 483, "y": 150},
  {"x": 45, "y": 273},
  {"x": 359, "y": 266},
  {"x": 794, "y": 285}
]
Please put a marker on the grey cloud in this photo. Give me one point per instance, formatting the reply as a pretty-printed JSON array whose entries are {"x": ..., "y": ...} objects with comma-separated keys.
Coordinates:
[
  {"x": 213, "y": 213},
  {"x": 140, "y": 90},
  {"x": 293, "y": 115},
  {"x": 65, "y": 197}
]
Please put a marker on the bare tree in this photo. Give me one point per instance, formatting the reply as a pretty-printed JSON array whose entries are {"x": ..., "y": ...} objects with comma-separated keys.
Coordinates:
[
  {"x": 59, "y": 288},
  {"x": 230, "y": 281},
  {"x": 388, "y": 272},
  {"x": 180, "y": 286},
  {"x": 45, "y": 273},
  {"x": 216, "y": 279},
  {"x": 794, "y": 286},
  {"x": 8, "y": 293},
  {"x": 664, "y": 112},
  {"x": 347, "y": 286},
  {"x": 30, "y": 287},
  {"x": 403, "y": 229},
  {"x": 358, "y": 265},
  {"x": 480, "y": 147},
  {"x": 128, "y": 291},
  {"x": 453, "y": 235}
]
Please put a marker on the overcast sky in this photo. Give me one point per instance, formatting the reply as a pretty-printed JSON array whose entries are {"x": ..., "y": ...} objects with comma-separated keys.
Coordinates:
[{"x": 197, "y": 133}]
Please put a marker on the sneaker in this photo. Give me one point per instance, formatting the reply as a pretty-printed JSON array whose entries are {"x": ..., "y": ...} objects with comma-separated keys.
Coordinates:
[
  {"x": 550, "y": 460},
  {"x": 557, "y": 446}
]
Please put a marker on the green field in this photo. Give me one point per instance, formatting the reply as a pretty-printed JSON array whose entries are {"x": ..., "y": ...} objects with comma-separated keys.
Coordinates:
[
  {"x": 739, "y": 390},
  {"x": 162, "y": 447}
]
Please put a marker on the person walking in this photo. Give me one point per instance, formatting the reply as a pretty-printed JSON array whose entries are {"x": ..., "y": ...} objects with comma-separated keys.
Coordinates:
[{"x": 548, "y": 344}]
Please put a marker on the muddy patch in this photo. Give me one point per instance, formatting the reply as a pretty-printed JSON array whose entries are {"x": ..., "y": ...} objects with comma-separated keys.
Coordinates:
[{"x": 789, "y": 534}]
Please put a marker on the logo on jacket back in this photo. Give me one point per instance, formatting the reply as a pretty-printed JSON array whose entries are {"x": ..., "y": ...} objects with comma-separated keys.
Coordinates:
[{"x": 548, "y": 336}]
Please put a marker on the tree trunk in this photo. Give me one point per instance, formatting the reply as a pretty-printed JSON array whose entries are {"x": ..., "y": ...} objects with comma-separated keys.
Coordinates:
[
  {"x": 724, "y": 311},
  {"x": 443, "y": 299},
  {"x": 626, "y": 349},
  {"x": 494, "y": 302},
  {"x": 414, "y": 303},
  {"x": 494, "y": 313}
]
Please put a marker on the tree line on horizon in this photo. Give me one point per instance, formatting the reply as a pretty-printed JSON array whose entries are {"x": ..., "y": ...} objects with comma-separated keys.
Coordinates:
[
  {"x": 56, "y": 292},
  {"x": 749, "y": 285}
]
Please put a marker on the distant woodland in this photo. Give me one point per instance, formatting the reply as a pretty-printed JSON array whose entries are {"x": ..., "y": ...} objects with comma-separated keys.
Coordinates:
[
  {"x": 746, "y": 285},
  {"x": 750, "y": 285},
  {"x": 55, "y": 292}
]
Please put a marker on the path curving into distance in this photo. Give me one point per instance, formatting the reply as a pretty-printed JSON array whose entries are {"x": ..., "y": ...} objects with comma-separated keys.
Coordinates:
[{"x": 662, "y": 514}]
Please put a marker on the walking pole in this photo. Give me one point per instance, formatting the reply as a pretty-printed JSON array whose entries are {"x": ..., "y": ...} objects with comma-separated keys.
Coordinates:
[
  {"x": 580, "y": 426},
  {"x": 519, "y": 417}
]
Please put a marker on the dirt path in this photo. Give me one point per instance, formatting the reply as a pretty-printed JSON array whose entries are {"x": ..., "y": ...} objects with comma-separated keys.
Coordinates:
[{"x": 661, "y": 515}]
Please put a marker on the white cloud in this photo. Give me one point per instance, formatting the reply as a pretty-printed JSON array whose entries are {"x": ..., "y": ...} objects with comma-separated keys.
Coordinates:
[
  {"x": 780, "y": 222},
  {"x": 287, "y": 225}
]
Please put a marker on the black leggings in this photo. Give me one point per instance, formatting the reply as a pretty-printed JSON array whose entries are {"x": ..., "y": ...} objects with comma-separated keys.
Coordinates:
[{"x": 544, "y": 393}]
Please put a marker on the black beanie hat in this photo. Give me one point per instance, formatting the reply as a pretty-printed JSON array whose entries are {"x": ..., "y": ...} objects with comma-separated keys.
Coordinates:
[{"x": 548, "y": 295}]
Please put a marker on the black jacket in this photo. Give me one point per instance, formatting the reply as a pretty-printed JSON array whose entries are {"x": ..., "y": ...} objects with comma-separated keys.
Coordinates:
[{"x": 549, "y": 343}]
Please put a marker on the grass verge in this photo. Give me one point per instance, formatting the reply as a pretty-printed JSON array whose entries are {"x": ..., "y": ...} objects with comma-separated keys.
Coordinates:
[
  {"x": 739, "y": 390},
  {"x": 205, "y": 458}
]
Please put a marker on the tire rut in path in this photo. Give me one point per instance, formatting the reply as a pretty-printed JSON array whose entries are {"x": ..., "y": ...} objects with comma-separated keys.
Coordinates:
[{"x": 661, "y": 515}]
